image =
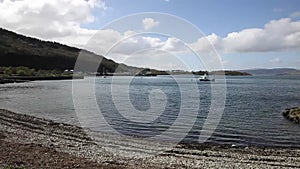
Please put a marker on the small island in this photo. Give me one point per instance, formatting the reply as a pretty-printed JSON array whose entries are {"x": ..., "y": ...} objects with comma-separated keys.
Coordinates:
[
  {"x": 220, "y": 72},
  {"x": 231, "y": 73},
  {"x": 292, "y": 114}
]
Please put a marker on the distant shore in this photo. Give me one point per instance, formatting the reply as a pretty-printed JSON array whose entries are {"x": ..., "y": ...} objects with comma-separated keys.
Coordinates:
[
  {"x": 22, "y": 79},
  {"x": 32, "y": 142}
]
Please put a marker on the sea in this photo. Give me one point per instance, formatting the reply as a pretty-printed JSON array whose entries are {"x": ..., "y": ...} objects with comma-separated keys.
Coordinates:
[{"x": 249, "y": 107}]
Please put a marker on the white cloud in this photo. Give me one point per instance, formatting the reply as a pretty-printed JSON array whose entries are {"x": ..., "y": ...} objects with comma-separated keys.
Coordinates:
[
  {"x": 149, "y": 23},
  {"x": 50, "y": 19},
  {"x": 138, "y": 50},
  {"x": 97, "y": 3},
  {"x": 277, "y": 35},
  {"x": 173, "y": 45},
  {"x": 126, "y": 45},
  {"x": 206, "y": 44}
]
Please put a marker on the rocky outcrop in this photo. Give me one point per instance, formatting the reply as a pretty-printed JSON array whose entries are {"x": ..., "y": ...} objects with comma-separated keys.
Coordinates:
[{"x": 292, "y": 114}]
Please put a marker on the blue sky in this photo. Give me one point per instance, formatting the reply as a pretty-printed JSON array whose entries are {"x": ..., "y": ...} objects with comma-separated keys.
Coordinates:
[
  {"x": 221, "y": 18},
  {"x": 246, "y": 33},
  {"x": 211, "y": 16}
]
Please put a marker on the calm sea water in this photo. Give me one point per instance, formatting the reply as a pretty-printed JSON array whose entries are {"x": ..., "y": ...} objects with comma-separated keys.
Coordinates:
[{"x": 252, "y": 114}]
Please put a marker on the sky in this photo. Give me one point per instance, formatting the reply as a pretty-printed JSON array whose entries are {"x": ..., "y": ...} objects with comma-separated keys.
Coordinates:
[{"x": 176, "y": 34}]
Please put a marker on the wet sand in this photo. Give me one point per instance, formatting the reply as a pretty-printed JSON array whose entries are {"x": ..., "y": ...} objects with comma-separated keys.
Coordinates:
[{"x": 32, "y": 142}]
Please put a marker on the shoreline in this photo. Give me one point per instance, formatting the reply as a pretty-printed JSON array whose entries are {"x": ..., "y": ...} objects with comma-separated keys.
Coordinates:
[
  {"x": 21, "y": 134},
  {"x": 24, "y": 79}
]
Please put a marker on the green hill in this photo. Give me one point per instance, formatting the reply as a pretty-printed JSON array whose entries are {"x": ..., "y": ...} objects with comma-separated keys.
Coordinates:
[{"x": 18, "y": 50}]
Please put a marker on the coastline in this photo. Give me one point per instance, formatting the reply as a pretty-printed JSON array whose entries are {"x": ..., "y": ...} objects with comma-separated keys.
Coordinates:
[
  {"x": 26, "y": 139},
  {"x": 23, "y": 79}
]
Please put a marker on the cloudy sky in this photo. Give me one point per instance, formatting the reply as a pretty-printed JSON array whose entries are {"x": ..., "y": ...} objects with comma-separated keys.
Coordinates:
[{"x": 245, "y": 34}]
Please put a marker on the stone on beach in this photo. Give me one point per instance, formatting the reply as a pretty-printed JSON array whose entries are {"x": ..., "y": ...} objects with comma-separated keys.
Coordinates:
[{"x": 292, "y": 114}]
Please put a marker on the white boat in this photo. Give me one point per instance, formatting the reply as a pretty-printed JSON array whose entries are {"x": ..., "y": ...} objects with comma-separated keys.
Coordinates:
[{"x": 205, "y": 77}]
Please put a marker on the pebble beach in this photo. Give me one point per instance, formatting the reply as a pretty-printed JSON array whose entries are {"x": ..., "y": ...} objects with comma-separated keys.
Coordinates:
[{"x": 31, "y": 142}]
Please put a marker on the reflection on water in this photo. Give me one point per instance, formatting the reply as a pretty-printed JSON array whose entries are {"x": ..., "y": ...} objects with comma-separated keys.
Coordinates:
[{"x": 252, "y": 113}]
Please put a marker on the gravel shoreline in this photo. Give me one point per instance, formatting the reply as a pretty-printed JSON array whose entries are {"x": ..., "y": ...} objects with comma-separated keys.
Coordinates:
[{"x": 32, "y": 142}]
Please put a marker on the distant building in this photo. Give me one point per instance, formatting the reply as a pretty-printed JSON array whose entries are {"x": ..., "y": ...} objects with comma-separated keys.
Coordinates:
[{"x": 69, "y": 70}]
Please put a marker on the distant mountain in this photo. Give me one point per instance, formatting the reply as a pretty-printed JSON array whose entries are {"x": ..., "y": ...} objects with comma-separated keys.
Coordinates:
[
  {"x": 295, "y": 72},
  {"x": 18, "y": 50},
  {"x": 266, "y": 72},
  {"x": 231, "y": 73}
]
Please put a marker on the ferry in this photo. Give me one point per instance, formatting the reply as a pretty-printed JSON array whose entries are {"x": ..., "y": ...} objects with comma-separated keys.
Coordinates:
[{"x": 205, "y": 77}]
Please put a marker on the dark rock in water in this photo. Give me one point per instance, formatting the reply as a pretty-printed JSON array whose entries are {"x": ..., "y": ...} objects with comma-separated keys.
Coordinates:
[{"x": 292, "y": 114}]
